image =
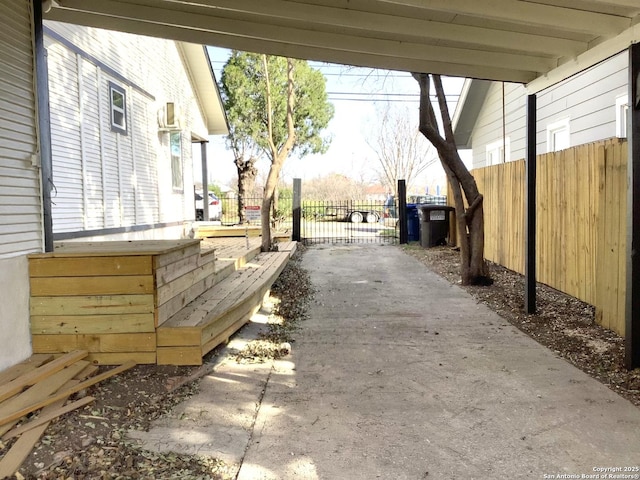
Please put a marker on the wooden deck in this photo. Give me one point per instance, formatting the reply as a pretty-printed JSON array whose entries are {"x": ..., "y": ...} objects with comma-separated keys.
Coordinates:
[{"x": 166, "y": 302}]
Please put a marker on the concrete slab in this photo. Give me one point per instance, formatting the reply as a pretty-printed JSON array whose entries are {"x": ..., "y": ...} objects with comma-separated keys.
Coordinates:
[{"x": 399, "y": 375}]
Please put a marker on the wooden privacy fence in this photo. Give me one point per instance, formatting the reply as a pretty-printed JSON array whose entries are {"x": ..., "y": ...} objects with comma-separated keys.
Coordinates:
[{"x": 581, "y": 223}]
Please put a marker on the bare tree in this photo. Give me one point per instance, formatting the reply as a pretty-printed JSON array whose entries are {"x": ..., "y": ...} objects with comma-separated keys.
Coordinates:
[
  {"x": 334, "y": 187},
  {"x": 469, "y": 209},
  {"x": 402, "y": 152}
]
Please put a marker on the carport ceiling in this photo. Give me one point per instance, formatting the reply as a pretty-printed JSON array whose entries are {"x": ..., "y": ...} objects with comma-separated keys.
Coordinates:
[{"x": 534, "y": 42}]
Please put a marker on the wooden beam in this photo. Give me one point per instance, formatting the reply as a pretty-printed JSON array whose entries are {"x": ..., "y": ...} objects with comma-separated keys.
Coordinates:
[
  {"x": 31, "y": 378},
  {"x": 54, "y": 398},
  {"x": 317, "y": 38},
  {"x": 375, "y": 25},
  {"x": 335, "y": 55},
  {"x": 46, "y": 417}
]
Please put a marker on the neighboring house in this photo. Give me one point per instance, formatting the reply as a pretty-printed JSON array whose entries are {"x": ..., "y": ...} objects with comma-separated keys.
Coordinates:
[
  {"x": 124, "y": 111},
  {"x": 590, "y": 106}
]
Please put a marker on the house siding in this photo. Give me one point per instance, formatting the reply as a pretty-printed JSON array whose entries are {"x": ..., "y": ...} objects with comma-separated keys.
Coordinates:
[
  {"x": 587, "y": 99},
  {"x": 20, "y": 202},
  {"x": 105, "y": 179}
]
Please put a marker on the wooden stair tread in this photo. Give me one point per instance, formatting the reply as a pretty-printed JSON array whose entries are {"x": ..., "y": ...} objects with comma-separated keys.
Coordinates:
[{"x": 225, "y": 294}]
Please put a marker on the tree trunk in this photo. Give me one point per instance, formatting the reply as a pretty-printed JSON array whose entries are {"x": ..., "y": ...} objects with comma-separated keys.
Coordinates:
[
  {"x": 278, "y": 156},
  {"x": 469, "y": 217},
  {"x": 246, "y": 176}
]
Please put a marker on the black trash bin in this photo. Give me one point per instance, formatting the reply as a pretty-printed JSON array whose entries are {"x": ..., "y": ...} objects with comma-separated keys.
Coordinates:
[
  {"x": 434, "y": 224},
  {"x": 413, "y": 223}
]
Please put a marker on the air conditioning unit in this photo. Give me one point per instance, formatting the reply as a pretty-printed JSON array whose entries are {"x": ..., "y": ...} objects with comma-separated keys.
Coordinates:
[{"x": 169, "y": 117}]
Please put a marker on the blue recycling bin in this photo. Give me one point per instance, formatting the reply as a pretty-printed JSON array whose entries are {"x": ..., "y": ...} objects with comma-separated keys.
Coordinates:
[{"x": 413, "y": 223}]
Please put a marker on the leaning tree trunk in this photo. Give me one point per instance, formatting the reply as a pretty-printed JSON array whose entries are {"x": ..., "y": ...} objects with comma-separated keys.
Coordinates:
[
  {"x": 469, "y": 217},
  {"x": 247, "y": 173},
  {"x": 278, "y": 155}
]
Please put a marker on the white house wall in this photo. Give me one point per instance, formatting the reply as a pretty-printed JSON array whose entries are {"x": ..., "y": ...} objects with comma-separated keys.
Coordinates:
[
  {"x": 20, "y": 204},
  {"x": 587, "y": 100},
  {"x": 106, "y": 180}
]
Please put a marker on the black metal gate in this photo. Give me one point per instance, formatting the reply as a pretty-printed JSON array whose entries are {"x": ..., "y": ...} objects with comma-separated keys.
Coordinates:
[{"x": 348, "y": 222}]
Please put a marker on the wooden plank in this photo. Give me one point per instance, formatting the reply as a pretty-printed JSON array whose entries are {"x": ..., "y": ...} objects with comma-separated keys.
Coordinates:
[
  {"x": 229, "y": 290},
  {"x": 90, "y": 266},
  {"x": 92, "y": 324},
  {"x": 224, "y": 335},
  {"x": 214, "y": 231},
  {"x": 46, "y": 417},
  {"x": 80, "y": 286},
  {"x": 40, "y": 373},
  {"x": 118, "y": 358},
  {"x": 180, "y": 355},
  {"x": 92, "y": 305},
  {"x": 181, "y": 284},
  {"x": 175, "y": 270},
  {"x": 165, "y": 311},
  {"x": 31, "y": 363},
  {"x": 178, "y": 336},
  {"x": 117, "y": 248},
  {"x": 22, "y": 447},
  {"x": 218, "y": 309},
  {"x": 105, "y": 343},
  {"x": 39, "y": 392},
  {"x": 70, "y": 391},
  {"x": 162, "y": 259}
]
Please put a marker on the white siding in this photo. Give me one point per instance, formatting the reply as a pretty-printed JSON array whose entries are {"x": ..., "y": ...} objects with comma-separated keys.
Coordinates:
[
  {"x": 125, "y": 176},
  {"x": 20, "y": 204},
  {"x": 587, "y": 99}
]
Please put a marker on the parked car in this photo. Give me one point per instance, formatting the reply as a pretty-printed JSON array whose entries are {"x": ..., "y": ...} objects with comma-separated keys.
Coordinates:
[{"x": 215, "y": 207}]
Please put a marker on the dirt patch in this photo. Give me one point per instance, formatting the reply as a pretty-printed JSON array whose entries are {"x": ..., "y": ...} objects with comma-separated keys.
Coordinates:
[{"x": 563, "y": 323}]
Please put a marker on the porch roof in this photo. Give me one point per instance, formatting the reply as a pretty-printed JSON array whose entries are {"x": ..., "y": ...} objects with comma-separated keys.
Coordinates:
[{"x": 535, "y": 42}]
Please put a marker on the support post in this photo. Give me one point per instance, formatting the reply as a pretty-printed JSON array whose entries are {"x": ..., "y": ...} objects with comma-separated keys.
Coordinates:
[
  {"x": 402, "y": 211},
  {"x": 205, "y": 181},
  {"x": 44, "y": 125},
  {"x": 632, "y": 313},
  {"x": 297, "y": 210},
  {"x": 530, "y": 209}
]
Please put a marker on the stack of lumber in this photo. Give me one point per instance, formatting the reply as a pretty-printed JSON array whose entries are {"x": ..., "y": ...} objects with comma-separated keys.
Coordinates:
[{"x": 42, "y": 384}]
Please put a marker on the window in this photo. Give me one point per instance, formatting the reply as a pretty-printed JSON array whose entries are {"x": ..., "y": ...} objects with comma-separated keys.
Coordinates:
[
  {"x": 622, "y": 116},
  {"x": 496, "y": 152},
  {"x": 176, "y": 161},
  {"x": 118, "y": 108},
  {"x": 558, "y": 135}
]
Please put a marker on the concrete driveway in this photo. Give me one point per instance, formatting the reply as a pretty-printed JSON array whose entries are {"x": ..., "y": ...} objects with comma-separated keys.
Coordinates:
[{"x": 399, "y": 375}]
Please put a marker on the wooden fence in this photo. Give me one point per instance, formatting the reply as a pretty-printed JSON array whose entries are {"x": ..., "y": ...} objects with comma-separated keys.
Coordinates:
[{"x": 581, "y": 223}]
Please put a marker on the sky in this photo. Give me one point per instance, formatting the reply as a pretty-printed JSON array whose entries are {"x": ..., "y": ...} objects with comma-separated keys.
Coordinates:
[{"x": 358, "y": 96}]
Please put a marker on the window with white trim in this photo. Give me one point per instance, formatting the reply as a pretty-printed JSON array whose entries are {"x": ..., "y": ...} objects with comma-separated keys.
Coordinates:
[
  {"x": 498, "y": 152},
  {"x": 558, "y": 135},
  {"x": 118, "y": 108},
  {"x": 175, "y": 142},
  {"x": 622, "y": 116}
]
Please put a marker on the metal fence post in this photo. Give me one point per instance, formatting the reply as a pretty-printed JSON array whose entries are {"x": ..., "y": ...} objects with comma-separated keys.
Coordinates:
[
  {"x": 402, "y": 211},
  {"x": 297, "y": 212}
]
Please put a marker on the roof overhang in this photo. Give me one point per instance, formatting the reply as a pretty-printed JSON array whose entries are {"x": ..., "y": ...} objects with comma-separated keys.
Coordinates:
[
  {"x": 533, "y": 42},
  {"x": 468, "y": 107},
  {"x": 203, "y": 78}
]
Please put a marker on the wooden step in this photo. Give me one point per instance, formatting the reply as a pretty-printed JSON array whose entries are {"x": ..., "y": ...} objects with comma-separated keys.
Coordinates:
[{"x": 209, "y": 320}]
